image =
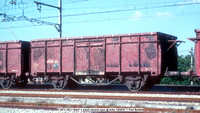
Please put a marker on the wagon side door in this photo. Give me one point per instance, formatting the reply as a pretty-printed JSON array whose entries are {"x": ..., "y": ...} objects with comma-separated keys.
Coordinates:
[
  {"x": 97, "y": 57},
  {"x": 89, "y": 57},
  {"x": 81, "y": 57}
]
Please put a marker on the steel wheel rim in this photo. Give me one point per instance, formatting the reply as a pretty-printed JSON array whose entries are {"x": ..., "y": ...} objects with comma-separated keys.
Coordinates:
[{"x": 6, "y": 84}]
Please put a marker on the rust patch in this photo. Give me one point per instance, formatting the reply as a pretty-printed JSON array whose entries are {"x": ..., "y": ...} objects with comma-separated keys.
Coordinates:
[
  {"x": 115, "y": 39},
  {"x": 2, "y": 45},
  {"x": 37, "y": 53},
  {"x": 144, "y": 64},
  {"x": 35, "y": 65},
  {"x": 136, "y": 64},
  {"x": 49, "y": 66},
  {"x": 112, "y": 65},
  {"x": 150, "y": 50}
]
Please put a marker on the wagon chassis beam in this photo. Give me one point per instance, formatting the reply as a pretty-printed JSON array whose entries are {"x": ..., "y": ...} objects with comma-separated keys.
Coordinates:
[{"x": 95, "y": 84}]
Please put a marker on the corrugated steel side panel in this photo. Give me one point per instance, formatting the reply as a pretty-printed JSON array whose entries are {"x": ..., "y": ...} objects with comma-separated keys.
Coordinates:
[
  {"x": 68, "y": 56},
  {"x": 68, "y": 59},
  {"x": 10, "y": 58},
  {"x": 97, "y": 60},
  {"x": 53, "y": 56},
  {"x": 133, "y": 54},
  {"x": 122, "y": 54},
  {"x": 14, "y": 61},
  {"x": 89, "y": 57},
  {"x": 112, "y": 54},
  {"x": 37, "y": 60}
]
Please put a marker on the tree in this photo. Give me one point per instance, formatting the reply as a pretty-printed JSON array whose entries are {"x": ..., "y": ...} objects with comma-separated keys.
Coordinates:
[{"x": 184, "y": 62}]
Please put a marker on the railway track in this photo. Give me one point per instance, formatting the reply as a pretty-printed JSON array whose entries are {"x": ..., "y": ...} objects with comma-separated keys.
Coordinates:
[
  {"x": 119, "y": 88},
  {"x": 60, "y": 100},
  {"x": 150, "y": 96}
]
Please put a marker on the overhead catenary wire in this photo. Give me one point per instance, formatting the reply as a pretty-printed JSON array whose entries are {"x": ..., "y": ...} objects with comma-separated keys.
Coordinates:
[
  {"x": 5, "y": 2},
  {"x": 120, "y": 10},
  {"x": 123, "y": 10},
  {"x": 98, "y": 6},
  {"x": 105, "y": 19},
  {"x": 108, "y": 6},
  {"x": 105, "y": 6},
  {"x": 114, "y": 11},
  {"x": 187, "y": 50}
]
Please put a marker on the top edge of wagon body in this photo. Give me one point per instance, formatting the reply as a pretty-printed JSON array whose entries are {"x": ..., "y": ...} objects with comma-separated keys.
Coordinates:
[{"x": 102, "y": 36}]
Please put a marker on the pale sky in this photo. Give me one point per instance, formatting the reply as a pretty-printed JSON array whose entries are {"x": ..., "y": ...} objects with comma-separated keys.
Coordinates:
[{"x": 102, "y": 17}]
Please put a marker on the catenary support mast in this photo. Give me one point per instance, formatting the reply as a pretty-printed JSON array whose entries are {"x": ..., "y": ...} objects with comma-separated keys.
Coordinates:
[
  {"x": 59, "y": 28},
  {"x": 60, "y": 17}
]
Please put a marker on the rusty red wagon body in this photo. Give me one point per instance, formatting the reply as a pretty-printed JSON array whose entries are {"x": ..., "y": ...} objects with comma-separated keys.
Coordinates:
[
  {"x": 137, "y": 60},
  {"x": 128, "y": 57},
  {"x": 14, "y": 62},
  {"x": 197, "y": 52}
]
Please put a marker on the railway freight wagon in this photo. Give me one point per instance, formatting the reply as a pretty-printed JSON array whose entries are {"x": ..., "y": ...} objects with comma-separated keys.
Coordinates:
[
  {"x": 130, "y": 59},
  {"x": 14, "y": 62}
]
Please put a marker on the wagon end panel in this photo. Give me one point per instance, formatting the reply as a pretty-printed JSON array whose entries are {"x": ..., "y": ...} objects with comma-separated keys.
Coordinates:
[
  {"x": 25, "y": 57},
  {"x": 169, "y": 57}
]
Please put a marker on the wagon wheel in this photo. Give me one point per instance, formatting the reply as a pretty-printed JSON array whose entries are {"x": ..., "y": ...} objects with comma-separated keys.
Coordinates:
[
  {"x": 59, "y": 84},
  {"x": 6, "y": 83},
  {"x": 133, "y": 85}
]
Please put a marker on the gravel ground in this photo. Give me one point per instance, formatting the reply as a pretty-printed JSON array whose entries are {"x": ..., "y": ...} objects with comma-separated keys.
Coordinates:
[
  {"x": 102, "y": 102},
  {"x": 96, "y": 102}
]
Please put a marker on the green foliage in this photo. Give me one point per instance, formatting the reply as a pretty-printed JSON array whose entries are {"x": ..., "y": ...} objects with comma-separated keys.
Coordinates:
[
  {"x": 184, "y": 62},
  {"x": 182, "y": 80}
]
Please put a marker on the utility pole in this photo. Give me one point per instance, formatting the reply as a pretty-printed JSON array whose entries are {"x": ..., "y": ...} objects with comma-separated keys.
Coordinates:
[
  {"x": 59, "y": 28},
  {"x": 60, "y": 17}
]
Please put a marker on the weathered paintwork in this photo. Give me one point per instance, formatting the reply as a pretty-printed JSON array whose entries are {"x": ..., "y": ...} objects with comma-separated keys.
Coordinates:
[
  {"x": 125, "y": 54},
  {"x": 197, "y": 52},
  {"x": 14, "y": 58}
]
